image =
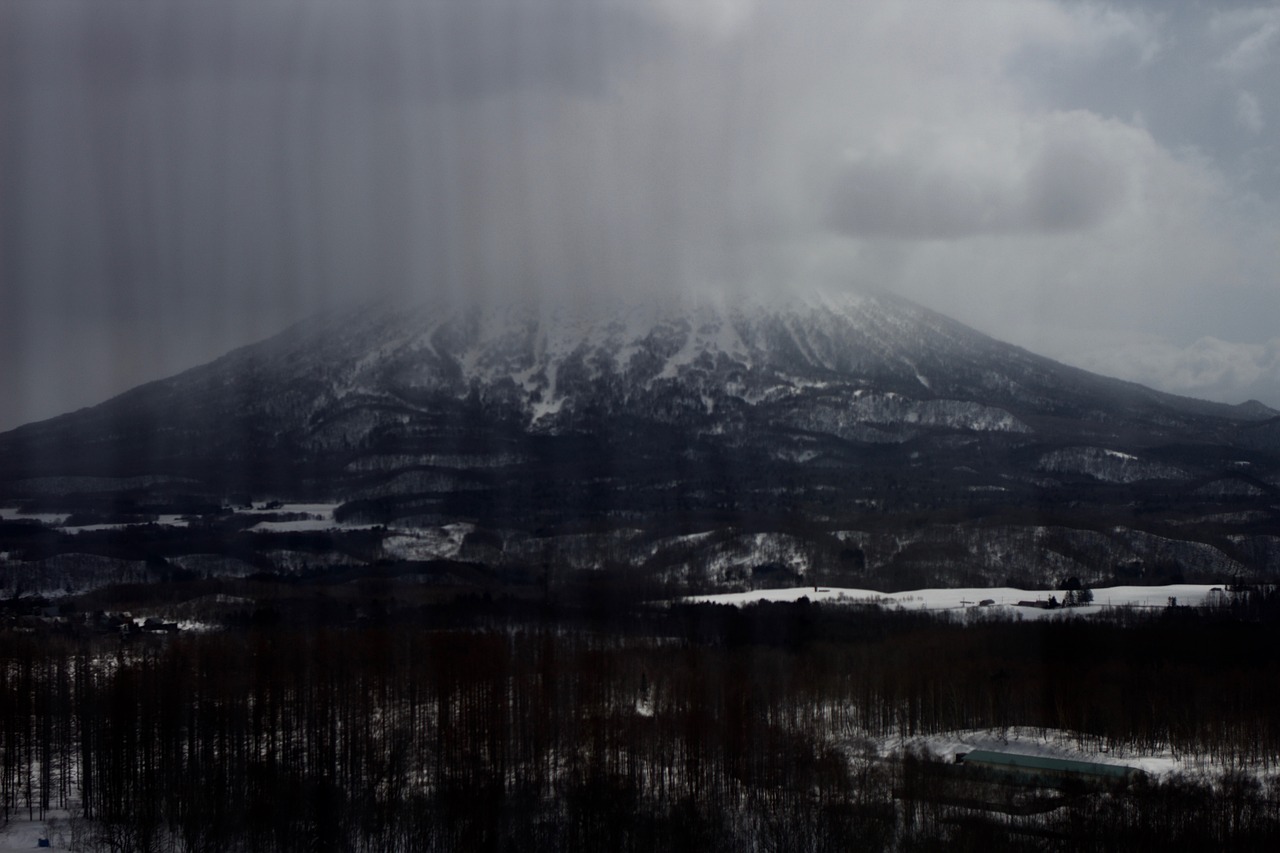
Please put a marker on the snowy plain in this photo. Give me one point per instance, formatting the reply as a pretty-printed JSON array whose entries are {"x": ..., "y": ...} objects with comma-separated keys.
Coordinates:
[{"x": 1003, "y": 598}]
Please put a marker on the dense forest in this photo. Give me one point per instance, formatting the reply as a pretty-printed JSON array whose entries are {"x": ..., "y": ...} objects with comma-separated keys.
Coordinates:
[{"x": 685, "y": 727}]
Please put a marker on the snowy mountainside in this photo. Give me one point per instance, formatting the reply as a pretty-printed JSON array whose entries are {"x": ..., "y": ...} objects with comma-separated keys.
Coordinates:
[
  {"x": 586, "y": 435},
  {"x": 549, "y": 370},
  {"x": 852, "y": 358},
  {"x": 813, "y": 363}
]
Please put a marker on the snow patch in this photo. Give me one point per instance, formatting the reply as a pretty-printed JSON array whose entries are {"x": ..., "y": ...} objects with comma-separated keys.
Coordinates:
[{"x": 427, "y": 543}]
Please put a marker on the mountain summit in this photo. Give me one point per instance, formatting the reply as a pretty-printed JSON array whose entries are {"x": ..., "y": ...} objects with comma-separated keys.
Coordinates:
[{"x": 604, "y": 429}]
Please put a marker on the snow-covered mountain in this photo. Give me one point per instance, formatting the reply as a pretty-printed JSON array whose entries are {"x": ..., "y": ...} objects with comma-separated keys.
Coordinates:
[
  {"x": 848, "y": 365},
  {"x": 598, "y": 431},
  {"x": 834, "y": 364}
]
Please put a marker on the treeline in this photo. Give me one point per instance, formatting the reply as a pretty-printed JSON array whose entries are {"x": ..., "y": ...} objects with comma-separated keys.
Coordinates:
[{"x": 688, "y": 728}]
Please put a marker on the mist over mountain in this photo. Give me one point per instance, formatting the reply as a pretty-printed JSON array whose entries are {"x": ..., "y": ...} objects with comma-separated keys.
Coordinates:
[{"x": 857, "y": 438}]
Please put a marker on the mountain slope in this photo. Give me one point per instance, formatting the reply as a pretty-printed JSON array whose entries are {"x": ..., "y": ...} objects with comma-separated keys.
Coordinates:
[
  {"x": 876, "y": 358},
  {"x": 597, "y": 434}
]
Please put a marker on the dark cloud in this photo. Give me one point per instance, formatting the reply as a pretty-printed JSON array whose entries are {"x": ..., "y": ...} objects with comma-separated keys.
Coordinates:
[
  {"x": 443, "y": 49},
  {"x": 1073, "y": 184},
  {"x": 183, "y": 177}
]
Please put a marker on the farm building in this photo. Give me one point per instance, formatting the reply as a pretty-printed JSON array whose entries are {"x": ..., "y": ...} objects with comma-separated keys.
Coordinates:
[{"x": 1041, "y": 770}]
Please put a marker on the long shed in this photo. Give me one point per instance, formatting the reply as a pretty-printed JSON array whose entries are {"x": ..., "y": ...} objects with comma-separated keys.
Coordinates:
[{"x": 1039, "y": 769}]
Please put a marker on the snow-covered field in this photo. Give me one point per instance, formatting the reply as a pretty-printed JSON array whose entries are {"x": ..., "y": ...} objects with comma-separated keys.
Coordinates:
[
  {"x": 317, "y": 517},
  {"x": 1002, "y": 598},
  {"x": 13, "y": 513},
  {"x": 21, "y": 834}
]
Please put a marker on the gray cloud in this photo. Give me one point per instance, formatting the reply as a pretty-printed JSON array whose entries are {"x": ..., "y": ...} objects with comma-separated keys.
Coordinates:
[
  {"x": 1249, "y": 113},
  {"x": 382, "y": 49},
  {"x": 1252, "y": 37},
  {"x": 180, "y": 177},
  {"x": 1060, "y": 174}
]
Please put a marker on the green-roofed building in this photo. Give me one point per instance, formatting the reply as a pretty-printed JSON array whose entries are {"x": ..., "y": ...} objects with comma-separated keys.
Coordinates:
[{"x": 1051, "y": 772}]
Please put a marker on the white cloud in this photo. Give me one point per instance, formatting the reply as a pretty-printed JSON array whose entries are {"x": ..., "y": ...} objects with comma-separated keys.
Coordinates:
[
  {"x": 1209, "y": 368},
  {"x": 1098, "y": 26}
]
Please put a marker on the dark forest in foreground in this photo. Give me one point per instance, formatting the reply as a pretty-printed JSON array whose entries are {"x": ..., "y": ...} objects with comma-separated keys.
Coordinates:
[{"x": 684, "y": 728}]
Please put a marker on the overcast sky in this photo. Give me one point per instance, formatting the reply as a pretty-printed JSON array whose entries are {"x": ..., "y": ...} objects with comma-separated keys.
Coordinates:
[{"x": 1098, "y": 182}]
